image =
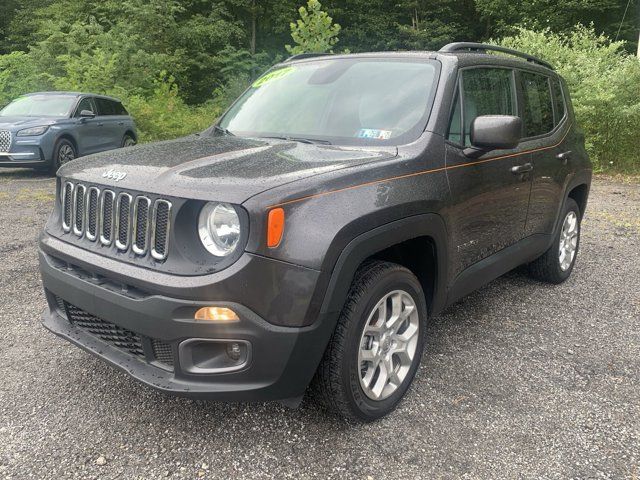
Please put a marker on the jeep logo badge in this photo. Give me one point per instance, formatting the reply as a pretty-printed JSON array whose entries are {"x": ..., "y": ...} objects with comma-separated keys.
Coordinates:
[{"x": 114, "y": 175}]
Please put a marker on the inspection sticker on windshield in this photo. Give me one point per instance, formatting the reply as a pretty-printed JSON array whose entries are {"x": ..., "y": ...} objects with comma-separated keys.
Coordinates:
[
  {"x": 271, "y": 76},
  {"x": 375, "y": 134}
]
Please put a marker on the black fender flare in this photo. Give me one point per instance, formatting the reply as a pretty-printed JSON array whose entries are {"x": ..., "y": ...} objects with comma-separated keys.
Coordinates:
[
  {"x": 581, "y": 177},
  {"x": 373, "y": 241}
]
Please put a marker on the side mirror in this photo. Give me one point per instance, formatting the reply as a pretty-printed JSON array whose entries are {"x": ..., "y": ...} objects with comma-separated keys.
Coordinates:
[
  {"x": 87, "y": 114},
  {"x": 493, "y": 132}
]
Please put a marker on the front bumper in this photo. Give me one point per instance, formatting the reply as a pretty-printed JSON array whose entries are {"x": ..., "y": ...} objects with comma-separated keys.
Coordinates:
[
  {"x": 282, "y": 359},
  {"x": 24, "y": 152}
]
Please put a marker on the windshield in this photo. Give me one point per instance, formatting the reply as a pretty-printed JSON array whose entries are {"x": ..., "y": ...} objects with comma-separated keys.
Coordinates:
[
  {"x": 360, "y": 101},
  {"x": 40, "y": 106}
]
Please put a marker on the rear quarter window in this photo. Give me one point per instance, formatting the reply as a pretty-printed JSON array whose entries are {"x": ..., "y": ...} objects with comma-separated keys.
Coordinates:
[
  {"x": 119, "y": 109},
  {"x": 537, "y": 104},
  {"x": 559, "y": 106}
]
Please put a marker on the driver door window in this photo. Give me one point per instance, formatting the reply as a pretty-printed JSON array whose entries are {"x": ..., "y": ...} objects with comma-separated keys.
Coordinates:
[
  {"x": 485, "y": 91},
  {"x": 85, "y": 104}
]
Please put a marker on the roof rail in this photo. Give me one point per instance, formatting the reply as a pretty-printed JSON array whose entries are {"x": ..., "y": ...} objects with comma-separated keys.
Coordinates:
[
  {"x": 484, "y": 47},
  {"x": 300, "y": 56}
]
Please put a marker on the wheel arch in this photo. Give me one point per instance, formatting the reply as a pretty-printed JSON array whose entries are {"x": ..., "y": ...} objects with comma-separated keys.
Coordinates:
[
  {"x": 71, "y": 138},
  {"x": 417, "y": 242},
  {"x": 580, "y": 193},
  {"x": 131, "y": 133}
]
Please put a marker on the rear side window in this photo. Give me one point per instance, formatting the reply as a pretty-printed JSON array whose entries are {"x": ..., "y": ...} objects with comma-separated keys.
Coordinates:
[
  {"x": 485, "y": 91},
  {"x": 559, "y": 109},
  {"x": 105, "y": 107},
  {"x": 537, "y": 108}
]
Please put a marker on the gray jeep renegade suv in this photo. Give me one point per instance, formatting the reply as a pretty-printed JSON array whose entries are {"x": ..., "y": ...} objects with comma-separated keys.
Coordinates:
[{"x": 306, "y": 238}]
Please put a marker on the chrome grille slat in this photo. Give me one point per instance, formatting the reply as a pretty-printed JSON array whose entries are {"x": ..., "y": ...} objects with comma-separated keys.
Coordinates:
[
  {"x": 79, "y": 197},
  {"x": 67, "y": 206},
  {"x": 129, "y": 222},
  {"x": 123, "y": 221},
  {"x": 160, "y": 229},
  {"x": 92, "y": 213},
  {"x": 106, "y": 217},
  {"x": 140, "y": 224}
]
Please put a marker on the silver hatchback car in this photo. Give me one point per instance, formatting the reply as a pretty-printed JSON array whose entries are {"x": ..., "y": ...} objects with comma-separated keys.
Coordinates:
[{"x": 47, "y": 129}]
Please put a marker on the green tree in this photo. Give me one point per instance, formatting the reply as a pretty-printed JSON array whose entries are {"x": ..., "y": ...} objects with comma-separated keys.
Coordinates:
[
  {"x": 604, "y": 82},
  {"x": 314, "y": 32}
]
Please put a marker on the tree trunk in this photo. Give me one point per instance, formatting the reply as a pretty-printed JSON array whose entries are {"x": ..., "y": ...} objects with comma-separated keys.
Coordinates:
[{"x": 253, "y": 27}]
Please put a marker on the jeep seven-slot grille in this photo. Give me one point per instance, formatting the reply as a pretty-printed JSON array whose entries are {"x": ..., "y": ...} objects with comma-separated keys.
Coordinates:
[
  {"x": 130, "y": 222},
  {"x": 119, "y": 337},
  {"x": 5, "y": 140}
]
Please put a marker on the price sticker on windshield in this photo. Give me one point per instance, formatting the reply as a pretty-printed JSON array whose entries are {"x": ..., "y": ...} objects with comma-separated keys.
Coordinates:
[{"x": 271, "y": 76}]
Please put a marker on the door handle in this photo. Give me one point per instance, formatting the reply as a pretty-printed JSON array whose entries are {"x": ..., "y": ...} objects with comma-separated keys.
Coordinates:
[
  {"x": 100, "y": 124},
  {"x": 518, "y": 169}
]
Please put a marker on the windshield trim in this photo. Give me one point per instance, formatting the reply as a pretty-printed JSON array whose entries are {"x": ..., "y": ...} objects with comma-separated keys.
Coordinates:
[{"x": 404, "y": 139}]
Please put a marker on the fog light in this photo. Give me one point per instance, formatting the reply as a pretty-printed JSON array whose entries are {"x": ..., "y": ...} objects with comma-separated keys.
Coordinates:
[
  {"x": 234, "y": 351},
  {"x": 209, "y": 355},
  {"x": 216, "y": 314}
]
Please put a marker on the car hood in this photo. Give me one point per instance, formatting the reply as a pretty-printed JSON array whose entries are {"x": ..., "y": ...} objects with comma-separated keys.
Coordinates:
[
  {"x": 11, "y": 123},
  {"x": 219, "y": 168}
]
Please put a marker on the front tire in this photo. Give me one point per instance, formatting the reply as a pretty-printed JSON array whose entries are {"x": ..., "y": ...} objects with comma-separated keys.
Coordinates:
[
  {"x": 556, "y": 264},
  {"x": 377, "y": 345},
  {"x": 63, "y": 152}
]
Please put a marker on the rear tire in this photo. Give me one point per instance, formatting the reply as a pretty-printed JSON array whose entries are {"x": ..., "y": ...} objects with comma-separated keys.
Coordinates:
[
  {"x": 128, "y": 141},
  {"x": 63, "y": 152},
  {"x": 556, "y": 264},
  {"x": 371, "y": 359}
]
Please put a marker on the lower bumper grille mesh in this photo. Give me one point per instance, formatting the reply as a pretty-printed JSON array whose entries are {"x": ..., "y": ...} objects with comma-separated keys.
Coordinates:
[
  {"x": 119, "y": 337},
  {"x": 106, "y": 331},
  {"x": 163, "y": 352}
]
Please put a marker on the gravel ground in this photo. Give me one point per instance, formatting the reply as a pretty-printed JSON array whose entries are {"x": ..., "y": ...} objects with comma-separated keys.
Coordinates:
[{"x": 519, "y": 380}]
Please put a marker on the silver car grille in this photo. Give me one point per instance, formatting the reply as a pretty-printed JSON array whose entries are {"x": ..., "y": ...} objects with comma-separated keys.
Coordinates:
[
  {"x": 5, "y": 140},
  {"x": 128, "y": 222}
]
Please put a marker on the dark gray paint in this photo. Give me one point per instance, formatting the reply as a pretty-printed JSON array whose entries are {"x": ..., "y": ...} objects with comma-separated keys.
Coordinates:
[{"x": 341, "y": 205}]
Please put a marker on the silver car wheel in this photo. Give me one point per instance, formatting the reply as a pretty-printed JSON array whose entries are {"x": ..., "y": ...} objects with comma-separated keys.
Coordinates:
[
  {"x": 66, "y": 154},
  {"x": 388, "y": 344},
  {"x": 568, "y": 240}
]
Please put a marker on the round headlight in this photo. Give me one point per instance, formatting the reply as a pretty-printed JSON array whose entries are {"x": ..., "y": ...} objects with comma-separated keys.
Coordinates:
[{"x": 219, "y": 228}]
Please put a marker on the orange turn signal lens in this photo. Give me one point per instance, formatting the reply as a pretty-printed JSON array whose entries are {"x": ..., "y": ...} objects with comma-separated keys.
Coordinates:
[
  {"x": 275, "y": 227},
  {"x": 216, "y": 314}
]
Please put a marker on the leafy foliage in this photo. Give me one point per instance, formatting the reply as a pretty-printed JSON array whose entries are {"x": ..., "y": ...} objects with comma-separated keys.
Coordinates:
[
  {"x": 314, "y": 32},
  {"x": 605, "y": 88},
  {"x": 178, "y": 63}
]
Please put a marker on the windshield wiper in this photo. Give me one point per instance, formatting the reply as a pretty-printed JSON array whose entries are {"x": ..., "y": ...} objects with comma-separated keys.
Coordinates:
[
  {"x": 223, "y": 130},
  {"x": 301, "y": 140}
]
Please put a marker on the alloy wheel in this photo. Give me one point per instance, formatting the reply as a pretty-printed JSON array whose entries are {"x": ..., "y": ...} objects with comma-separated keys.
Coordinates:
[
  {"x": 388, "y": 344},
  {"x": 66, "y": 154},
  {"x": 568, "y": 240}
]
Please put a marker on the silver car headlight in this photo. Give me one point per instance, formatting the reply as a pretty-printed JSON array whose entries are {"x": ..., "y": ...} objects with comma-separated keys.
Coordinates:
[
  {"x": 33, "y": 131},
  {"x": 219, "y": 228}
]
